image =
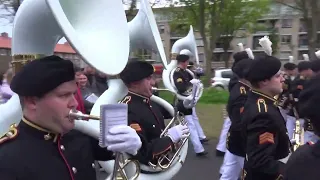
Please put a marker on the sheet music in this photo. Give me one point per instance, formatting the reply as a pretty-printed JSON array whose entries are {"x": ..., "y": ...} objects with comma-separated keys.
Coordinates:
[
  {"x": 194, "y": 92},
  {"x": 111, "y": 115},
  {"x": 92, "y": 98}
]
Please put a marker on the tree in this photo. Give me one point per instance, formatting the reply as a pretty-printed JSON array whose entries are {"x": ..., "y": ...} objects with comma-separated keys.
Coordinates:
[
  {"x": 310, "y": 12},
  {"x": 217, "y": 18},
  {"x": 10, "y": 7}
]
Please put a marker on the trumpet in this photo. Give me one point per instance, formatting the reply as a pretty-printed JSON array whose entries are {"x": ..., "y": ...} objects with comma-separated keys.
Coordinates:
[
  {"x": 75, "y": 114},
  {"x": 159, "y": 89}
]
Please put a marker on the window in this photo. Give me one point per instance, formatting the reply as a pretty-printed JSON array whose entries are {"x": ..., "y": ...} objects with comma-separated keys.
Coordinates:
[
  {"x": 302, "y": 27},
  {"x": 226, "y": 74},
  {"x": 199, "y": 42},
  {"x": 303, "y": 40},
  {"x": 286, "y": 23},
  {"x": 285, "y": 39},
  {"x": 285, "y": 55},
  {"x": 255, "y": 43},
  {"x": 162, "y": 29},
  {"x": 300, "y": 57}
]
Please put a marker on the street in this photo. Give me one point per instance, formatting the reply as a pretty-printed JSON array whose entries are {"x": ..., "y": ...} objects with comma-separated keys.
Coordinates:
[{"x": 197, "y": 167}]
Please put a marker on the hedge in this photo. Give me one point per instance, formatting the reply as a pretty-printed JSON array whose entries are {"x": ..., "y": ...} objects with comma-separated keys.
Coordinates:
[{"x": 209, "y": 96}]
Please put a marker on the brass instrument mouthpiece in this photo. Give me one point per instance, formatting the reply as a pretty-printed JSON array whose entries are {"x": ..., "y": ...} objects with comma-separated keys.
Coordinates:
[{"x": 75, "y": 114}]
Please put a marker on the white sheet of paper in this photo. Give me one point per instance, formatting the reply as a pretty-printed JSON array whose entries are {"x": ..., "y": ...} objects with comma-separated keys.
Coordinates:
[
  {"x": 92, "y": 98},
  {"x": 194, "y": 92},
  {"x": 111, "y": 115}
]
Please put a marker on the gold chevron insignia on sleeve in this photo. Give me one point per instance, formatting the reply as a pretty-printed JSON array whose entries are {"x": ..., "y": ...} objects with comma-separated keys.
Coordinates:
[
  {"x": 179, "y": 80},
  {"x": 126, "y": 100},
  {"x": 262, "y": 106},
  {"x": 11, "y": 134},
  {"x": 243, "y": 90}
]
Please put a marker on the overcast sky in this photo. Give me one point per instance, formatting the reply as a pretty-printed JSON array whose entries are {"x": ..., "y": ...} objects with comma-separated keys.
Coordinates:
[{"x": 7, "y": 27}]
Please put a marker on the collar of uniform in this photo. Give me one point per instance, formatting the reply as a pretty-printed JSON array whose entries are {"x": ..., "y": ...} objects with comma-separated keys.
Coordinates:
[
  {"x": 139, "y": 97},
  {"x": 264, "y": 96},
  {"x": 247, "y": 85},
  {"x": 38, "y": 131}
]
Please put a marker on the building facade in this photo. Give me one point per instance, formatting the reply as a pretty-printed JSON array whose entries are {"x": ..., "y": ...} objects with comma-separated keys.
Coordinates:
[
  {"x": 63, "y": 50},
  {"x": 285, "y": 21}
]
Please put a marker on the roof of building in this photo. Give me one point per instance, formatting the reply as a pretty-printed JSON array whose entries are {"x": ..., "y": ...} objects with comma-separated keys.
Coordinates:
[{"x": 5, "y": 42}]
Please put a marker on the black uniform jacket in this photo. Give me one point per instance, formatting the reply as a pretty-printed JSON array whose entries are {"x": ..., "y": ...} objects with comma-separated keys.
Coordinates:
[
  {"x": 182, "y": 79},
  {"x": 266, "y": 135},
  {"x": 295, "y": 89},
  {"x": 148, "y": 120},
  {"x": 34, "y": 153},
  {"x": 237, "y": 99},
  {"x": 304, "y": 163},
  {"x": 284, "y": 99}
]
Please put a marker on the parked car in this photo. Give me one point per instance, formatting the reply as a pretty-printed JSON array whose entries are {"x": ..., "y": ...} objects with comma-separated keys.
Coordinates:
[{"x": 221, "y": 79}]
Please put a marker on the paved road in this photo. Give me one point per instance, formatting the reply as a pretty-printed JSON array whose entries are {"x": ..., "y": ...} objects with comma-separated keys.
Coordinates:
[{"x": 196, "y": 167}]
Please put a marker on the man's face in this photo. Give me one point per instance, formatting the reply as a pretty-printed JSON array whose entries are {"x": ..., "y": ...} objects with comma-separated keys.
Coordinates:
[
  {"x": 144, "y": 87},
  {"x": 185, "y": 64},
  {"x": 275, "y": 84},
  {"x": 53, "y": 109},
  {"x": 292, "y": 72}
]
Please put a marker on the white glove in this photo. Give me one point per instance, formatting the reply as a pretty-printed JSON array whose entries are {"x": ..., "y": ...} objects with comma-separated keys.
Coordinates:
[
  {"x": 178, "y": 132},
  {"x": 123, "y": 139},
  {"x": 195, "y": 81}
]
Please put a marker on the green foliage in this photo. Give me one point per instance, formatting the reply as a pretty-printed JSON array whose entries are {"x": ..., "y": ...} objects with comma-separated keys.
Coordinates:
[
  {"x": 209, "y": 96},
  {"x": 233, "y": 14}
]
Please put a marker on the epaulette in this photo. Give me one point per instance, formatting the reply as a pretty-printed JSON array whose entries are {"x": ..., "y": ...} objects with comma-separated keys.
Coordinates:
[
  {"x": 178, "y": 69},
  {"x": 243, "y": 90},
  {"x": 125, "y": 100},
  {"x": 11, "y": 134},
  {"x": 262, "y": 106}
]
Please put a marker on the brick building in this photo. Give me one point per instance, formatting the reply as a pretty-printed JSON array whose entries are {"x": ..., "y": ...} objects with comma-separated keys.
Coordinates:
[{"x": 63, "y": 50}]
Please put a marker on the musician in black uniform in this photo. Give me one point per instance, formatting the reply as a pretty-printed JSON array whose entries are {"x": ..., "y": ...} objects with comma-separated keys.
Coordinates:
[
  {"x": 305, "y": 73},
  {"x": 184, "y": 83},
  {"x": 43, "y": 145},
  {"x": 304, "y": 162},
  {"x": 266, "y": 135},
  {"x": 290, "y": 70},
  {"x": 234, "y": 157},
  {"x": 145, "y": 116}
]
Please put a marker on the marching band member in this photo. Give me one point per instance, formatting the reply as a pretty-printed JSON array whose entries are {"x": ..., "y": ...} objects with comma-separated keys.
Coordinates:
[
  {"x": 184, "y": 83},
  {"x": 202, "y": 136},
  {"x": 238, "y": 57},
  {"x": 266, "y": 135},
  {"x": 145, "y": 116},
  {"x": 234, "y": 157},
  {"x": 290, "y": 72},
  {"x": 44, "y": 144},
  {"x": 305, "y": 73},
  {"x": 303, "y": 163}
]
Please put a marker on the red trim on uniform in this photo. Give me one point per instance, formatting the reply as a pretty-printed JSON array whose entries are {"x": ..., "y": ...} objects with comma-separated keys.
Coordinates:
[{"x": 64, "y": 159}]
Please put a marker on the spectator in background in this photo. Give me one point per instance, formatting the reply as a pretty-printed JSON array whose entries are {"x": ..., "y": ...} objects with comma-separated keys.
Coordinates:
[
  {"x": 78, "y": 94},
  {"x": 5, "y": 89},
  {"x": 96, "y": 81}
]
